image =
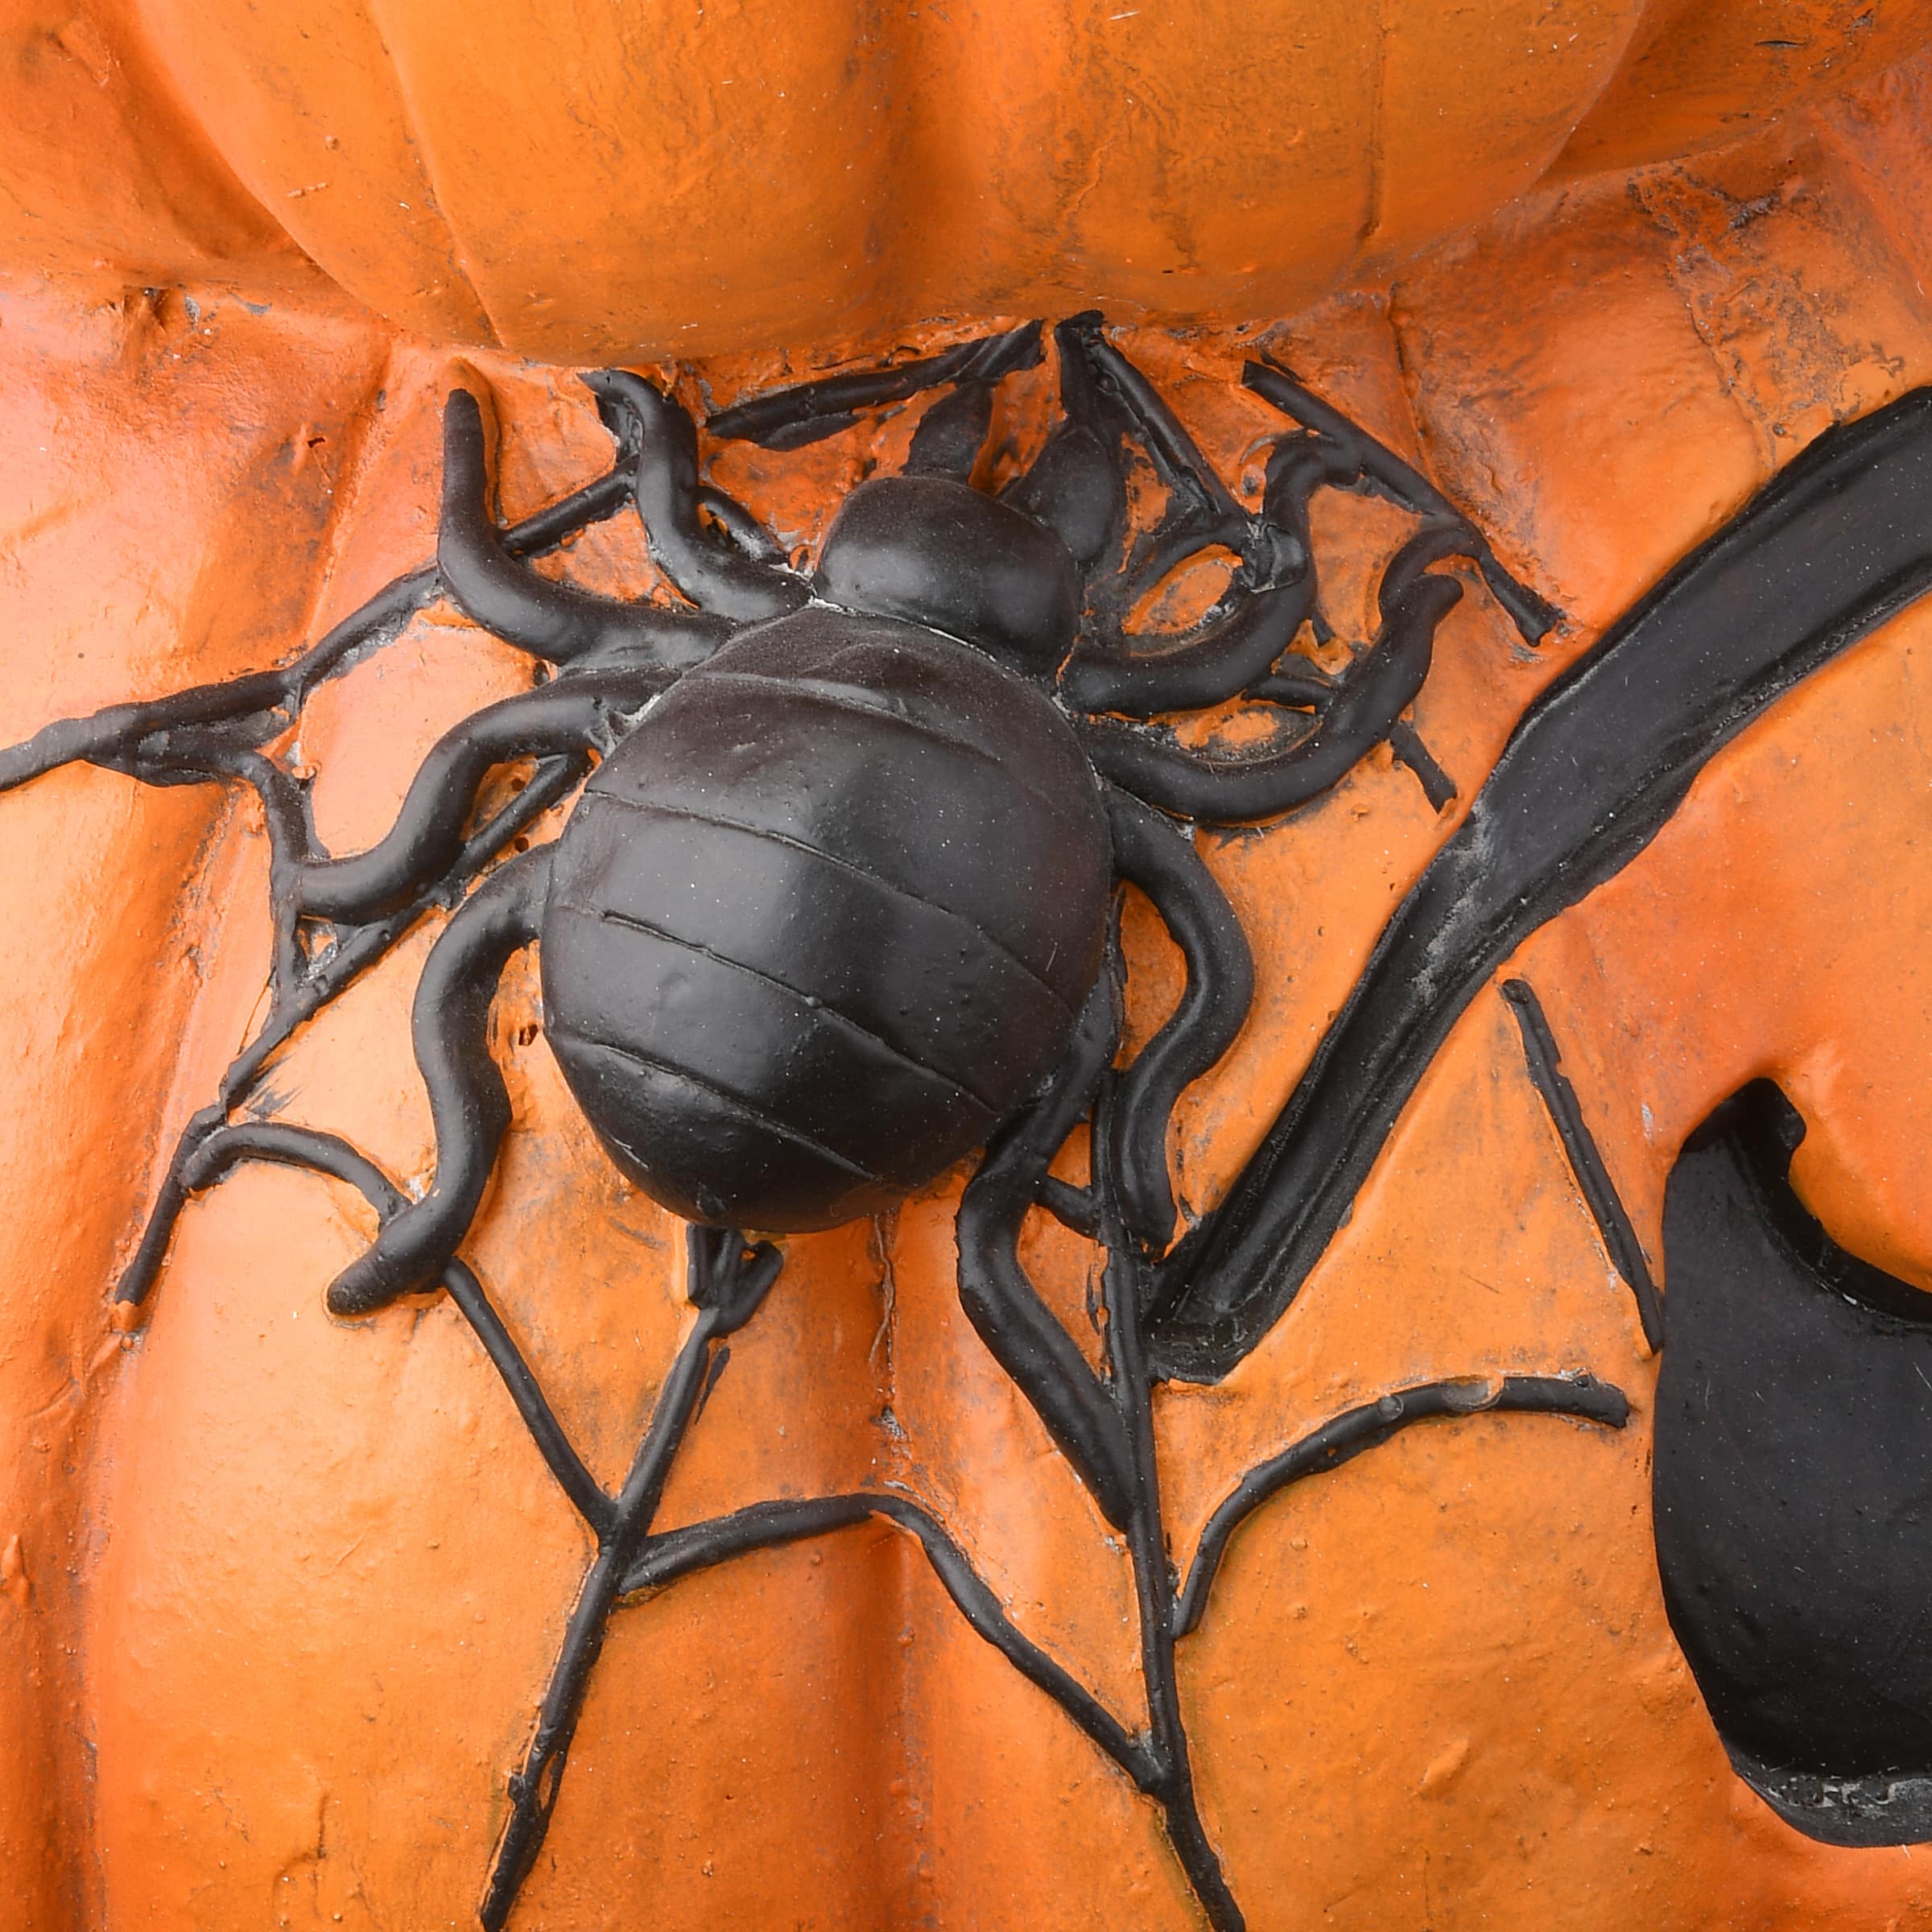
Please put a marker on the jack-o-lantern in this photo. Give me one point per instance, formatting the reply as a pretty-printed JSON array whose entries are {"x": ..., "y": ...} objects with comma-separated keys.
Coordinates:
[{"x": 1096, "y": 1125}]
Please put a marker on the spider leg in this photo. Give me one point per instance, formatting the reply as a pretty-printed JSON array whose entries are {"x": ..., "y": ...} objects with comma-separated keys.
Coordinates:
[
  {"x": 1363, "y": 458},
  {"x": 1155, "y": 855},
  {"x": 468, "y": 1102},
  {"x": 1271, "y": 595},
  {"x": 560, "y": 621},
  {"x": 585, "y": 711},
  {"x": 951, "y": 433},
  {"x": 298, "y": 996},
  {"x": 808, "y": 412},
  {"x": 1366, "y": 700},
  {"x": 1021, "y": 1332},
  {"x": 717, "y": 576},
  {"x": 1075, "y": 485},
  {"x": 1201, "y": 511}
]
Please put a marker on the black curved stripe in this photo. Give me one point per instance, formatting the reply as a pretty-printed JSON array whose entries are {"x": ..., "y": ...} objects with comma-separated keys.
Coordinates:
[
  {"x": 1343, "y": 1438},
  {"x": 1840, "y": 541}
]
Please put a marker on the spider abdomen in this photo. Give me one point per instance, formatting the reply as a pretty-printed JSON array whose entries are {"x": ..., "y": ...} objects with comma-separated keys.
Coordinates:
[{"x": 823, "y": 920}]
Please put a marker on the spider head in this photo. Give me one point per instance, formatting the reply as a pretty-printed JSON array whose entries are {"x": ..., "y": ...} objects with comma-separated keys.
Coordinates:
[{"x": 938, "y": 553}]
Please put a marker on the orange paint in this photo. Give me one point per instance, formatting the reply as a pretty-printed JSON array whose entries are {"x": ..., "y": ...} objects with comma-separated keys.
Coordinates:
[
  {"x": 601, "y": 183},
  {"x": 278, "y": 1596}
]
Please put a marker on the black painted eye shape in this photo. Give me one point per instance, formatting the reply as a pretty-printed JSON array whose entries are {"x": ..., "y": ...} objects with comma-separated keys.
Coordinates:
[{"x": 1793, "y": 1488}]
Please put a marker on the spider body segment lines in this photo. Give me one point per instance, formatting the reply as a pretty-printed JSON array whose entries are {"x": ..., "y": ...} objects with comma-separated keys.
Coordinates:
[
  {"x": 834, "y": 907},
  {"x": 827, "y": 913}
]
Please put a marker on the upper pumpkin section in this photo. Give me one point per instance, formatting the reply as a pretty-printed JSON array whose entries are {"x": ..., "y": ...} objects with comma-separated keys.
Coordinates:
[{"x": 620, "y": 180}]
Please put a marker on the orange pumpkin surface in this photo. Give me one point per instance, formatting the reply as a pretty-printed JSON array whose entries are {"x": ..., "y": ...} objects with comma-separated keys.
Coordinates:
[
  {"x": 614, "y": 180},
  {"x": 279, "y": 1595}
]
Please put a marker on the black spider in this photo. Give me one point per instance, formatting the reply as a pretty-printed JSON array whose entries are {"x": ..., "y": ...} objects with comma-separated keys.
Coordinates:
[
  {"x": 833, "y": 908},
  {"x": 830, "y": 906}
]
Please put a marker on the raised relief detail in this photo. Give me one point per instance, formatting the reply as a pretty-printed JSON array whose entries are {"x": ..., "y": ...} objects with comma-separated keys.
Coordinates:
[
  {"x": 1793, "y": 1487},
  {"x": 835, "y": 907}
]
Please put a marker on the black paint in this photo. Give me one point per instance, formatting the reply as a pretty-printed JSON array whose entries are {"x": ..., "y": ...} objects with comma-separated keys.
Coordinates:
[
  {"x": 823, "y": 921},
  {"x": 1793, "y": 1486},
  {"x": 1152, "y": 852},
  {"x": 1840, "y": 541},
  {"x": 1022, "y": 1334},
  {"x": 1607, "y": 1209},
  {"x": 1357, "y": 1431},
  {"x": 833, "y": 911},
  {"x": 944, "y": 555}
]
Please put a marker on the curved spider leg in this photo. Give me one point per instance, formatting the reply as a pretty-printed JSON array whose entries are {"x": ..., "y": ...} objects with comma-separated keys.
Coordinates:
[
  {"x": 1152, "y": 852},
  {"x": 1076, "y": 485},
  {"x": 1389, "y": 476},
  {"x": 717, "y": 576},
  {"x": 951, "y": 434},
  {"x": 306, "y": 995},
  {"x": 1201, "y": 511},
  {"x": 1267, "y": 600},
  {"x": 469, "y": 1104},
  {"x": 589, "y": 711},
  {"x": 808, "y": 412},
  {"x": 1022, "y": 1334},
  {"x": 562, "y": 623},
  {"x": 313, "y": 1151},
  {"x": 1366, "y": 700}
]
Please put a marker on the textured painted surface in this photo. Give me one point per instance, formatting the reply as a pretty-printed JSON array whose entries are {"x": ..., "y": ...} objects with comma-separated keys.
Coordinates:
[
  {"x": 613, "y": 180},
  {"x": 278, "y": 1595}
]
